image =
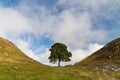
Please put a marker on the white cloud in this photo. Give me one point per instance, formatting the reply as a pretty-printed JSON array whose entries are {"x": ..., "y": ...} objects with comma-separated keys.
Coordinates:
[
  {"x": 68, "y": 26},
  {"x": 72, "y": 26},
  {"x": 94, "y": 4},
  {"x": 12, "y": 23},
  {"x": 79, "y": 54},
  {"x": 76, "y": 31},
  {"x": 105, "y": 8},
  {"x": 24, "y": 46},
  {"x": 43, "y": 57}
]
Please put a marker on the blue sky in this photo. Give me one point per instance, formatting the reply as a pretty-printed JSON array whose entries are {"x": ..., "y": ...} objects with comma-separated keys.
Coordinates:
[{"x": 83, "y": 25}]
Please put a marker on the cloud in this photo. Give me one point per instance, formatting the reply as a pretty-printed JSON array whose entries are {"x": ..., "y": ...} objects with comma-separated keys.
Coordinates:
[
  {"x": 43, "y": 57},
  {"x": 24, "y": 46},
  {"x": 79, "y": 54},
  {"x": 77, "y": 30},
  {"x": 76, "y": 23},
  {"x": 94, "y": 4},
  {"x": 97, "y": 8},
  {"x": 74, "y": 28},
  {"x": 12, "y": 23}
]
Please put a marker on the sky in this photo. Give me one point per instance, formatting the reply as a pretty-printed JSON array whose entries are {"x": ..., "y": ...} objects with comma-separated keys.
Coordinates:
[{"x": 83, "y": 25}]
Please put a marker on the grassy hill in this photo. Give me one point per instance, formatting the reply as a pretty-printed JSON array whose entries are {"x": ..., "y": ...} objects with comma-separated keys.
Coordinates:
[
  {"x": 106, "y": 59},
  {"x": 14, "y": 65}
]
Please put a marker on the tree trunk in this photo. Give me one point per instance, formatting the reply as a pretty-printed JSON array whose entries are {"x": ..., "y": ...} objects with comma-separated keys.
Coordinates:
[{"x": 58, "y": 63}]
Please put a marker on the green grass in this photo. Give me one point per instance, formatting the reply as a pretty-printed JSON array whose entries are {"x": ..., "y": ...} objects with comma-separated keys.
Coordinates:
[
  {"x": 14, "y": 65},
  {"x": 30, "y": 72}
]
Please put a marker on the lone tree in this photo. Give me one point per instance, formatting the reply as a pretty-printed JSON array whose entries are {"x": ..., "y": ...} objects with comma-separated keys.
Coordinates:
[{"x": 59, "y": 53}]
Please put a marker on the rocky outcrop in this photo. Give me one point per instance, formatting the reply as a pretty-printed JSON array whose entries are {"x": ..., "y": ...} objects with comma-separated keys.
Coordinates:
[{"x": 105, "y": 59}]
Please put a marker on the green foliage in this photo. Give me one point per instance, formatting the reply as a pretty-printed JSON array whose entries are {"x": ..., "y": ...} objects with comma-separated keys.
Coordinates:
[{"x": 59, "y": 53}]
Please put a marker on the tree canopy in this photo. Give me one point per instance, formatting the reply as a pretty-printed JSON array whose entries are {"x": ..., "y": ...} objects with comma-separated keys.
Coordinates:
[{"x": 59, "y": 53}]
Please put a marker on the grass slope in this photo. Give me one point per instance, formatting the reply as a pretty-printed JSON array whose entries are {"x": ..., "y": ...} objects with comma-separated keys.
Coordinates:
[
  {"x": 14, "y": 65},
  {"x": 107, "y": 57}
]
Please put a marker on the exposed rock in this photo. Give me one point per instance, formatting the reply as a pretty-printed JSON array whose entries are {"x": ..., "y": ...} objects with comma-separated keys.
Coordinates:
[{"x": 105, "y": 59}]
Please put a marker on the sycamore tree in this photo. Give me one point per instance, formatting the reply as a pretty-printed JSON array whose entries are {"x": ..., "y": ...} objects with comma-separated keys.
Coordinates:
[{"x": 59, "y": 53}]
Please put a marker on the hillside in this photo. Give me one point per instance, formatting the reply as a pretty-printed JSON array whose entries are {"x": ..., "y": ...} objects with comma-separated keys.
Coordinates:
[
  {"x": 14, "y": 65},
  {"x": 9, "y": 53},
  {"x": 105, "y": 59}
]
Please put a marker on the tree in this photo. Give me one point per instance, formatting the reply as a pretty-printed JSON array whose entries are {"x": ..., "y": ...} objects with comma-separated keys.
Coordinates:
[{"x": 59, "y": 53}]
